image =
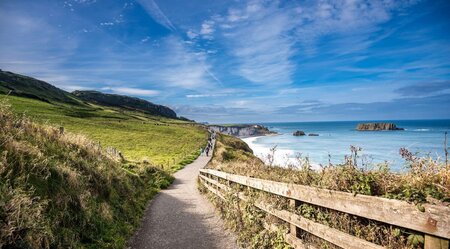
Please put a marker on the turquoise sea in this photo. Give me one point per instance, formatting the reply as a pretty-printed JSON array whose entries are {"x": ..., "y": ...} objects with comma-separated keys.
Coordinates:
[{"x": 425, "y": 137}]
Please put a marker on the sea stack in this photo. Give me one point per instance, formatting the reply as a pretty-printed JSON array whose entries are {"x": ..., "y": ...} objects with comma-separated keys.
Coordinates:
[
  {"x": 378, "y": 127},
  {"x": 299, "y": 133}
]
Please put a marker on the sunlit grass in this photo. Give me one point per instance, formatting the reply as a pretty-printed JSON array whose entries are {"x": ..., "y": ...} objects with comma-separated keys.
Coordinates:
[
  {"x": 158, "y": 140},
  {"x": 63, "y": 190}
]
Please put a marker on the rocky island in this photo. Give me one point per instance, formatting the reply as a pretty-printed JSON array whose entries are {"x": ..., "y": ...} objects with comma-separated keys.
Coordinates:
[
  {"x": 299, "y": 133},
  {"x": 242, "y": 130},
  {"x": 378, "y": 127}
]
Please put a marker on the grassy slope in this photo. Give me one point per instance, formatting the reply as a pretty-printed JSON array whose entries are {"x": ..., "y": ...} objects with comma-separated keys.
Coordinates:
[
  {"x": 159, "y": 140},
  {"x": 427, "y": 181},
  {"x": 63, "y": 191},
  {"x": 21, "y": 85}
]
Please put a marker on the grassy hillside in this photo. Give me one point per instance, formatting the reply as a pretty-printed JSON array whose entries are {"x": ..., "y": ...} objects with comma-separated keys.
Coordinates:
[
  {"x": 427, "y": 180},
  {"x": 60, "y": 190},
  {"x": 141, "y": 130},
  {"x": 125, "y": 102},
  {"x": 139, "y": 136},
  {"x": 20, "y": 85}
]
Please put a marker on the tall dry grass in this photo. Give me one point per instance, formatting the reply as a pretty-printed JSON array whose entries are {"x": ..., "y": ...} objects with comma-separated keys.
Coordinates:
[
  {"x": 62, "y": 190},
  {"x": 427, "y": 180}
]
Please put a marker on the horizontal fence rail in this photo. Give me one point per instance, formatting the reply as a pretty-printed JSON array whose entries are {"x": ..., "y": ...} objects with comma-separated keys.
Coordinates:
[{"x": 434, "y": 222}]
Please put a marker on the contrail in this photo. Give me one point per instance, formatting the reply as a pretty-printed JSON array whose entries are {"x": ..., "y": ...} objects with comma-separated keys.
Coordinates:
[{"x": 155, "y": 12}]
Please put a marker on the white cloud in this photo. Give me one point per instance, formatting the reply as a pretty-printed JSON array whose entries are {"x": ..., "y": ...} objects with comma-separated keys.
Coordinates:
[
  {"x": 258, "y": 36},
  {"x": 180, "y": 66},
  {"x": 235, "y": 15},
  {"x": 191, "y": 34},
  {"x": 205, "y": 95},
  {"x": 241, "y": 103},
  {"x": 207, "y": 29},
  {"x": 85, "y": 1},
  {"x": 71, "y": 88},
  {"x": 264, "y": 36},
  {"x": 155, "y": 12},
  {"x": 349, "y": 18},
  {"x": 106, "y": 24},
  {"x": 132, "y": 91},
  {"x": 146, "y": 39}
]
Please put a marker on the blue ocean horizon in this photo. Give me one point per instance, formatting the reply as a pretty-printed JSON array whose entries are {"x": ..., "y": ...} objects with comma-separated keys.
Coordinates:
[{"x": 424, "y": 137}]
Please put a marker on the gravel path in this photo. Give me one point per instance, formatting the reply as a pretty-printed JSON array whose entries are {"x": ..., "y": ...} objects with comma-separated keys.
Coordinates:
[{"x": 180, "y": 217}]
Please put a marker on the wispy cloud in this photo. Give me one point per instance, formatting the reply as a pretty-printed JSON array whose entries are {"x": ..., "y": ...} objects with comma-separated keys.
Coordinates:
[
  {"x": 425, "y": 89},
  {"x": 267, "y": 38},
  {"x": 205, "y": 95},
  {"x": 155, "y": 12},
  {"x": 215, "y": 113},
  {"x": 354, "y": 20},
  {"x": 257, "y": 35},
  {"x": 131, "y": 91},
  {"x": 181, "y": 66},
  {"x": 236, "y": 60},
  {"x": 207, "y": 29},
  {"x": 383, "y": 110},
  {"x": 191, "y": 34}
]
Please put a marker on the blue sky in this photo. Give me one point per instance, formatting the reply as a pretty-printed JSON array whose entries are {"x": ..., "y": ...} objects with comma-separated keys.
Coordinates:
[{"x": 242, "y": 61}]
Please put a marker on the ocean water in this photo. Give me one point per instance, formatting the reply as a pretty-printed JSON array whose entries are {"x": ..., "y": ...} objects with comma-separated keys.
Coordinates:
[{"x": 425, "y": 137}]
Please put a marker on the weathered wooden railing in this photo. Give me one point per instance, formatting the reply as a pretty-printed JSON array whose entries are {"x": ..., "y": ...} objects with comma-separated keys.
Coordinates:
[{"x": 434, "y": 222}]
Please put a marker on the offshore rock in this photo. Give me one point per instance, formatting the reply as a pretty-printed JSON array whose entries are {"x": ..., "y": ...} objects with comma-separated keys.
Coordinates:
[
  {"x": 378, "y": 127},
  {"x": 299, "y": 133}
]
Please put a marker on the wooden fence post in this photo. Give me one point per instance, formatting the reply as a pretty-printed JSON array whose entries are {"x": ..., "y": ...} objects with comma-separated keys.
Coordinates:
[
  {"x": 293, "y": 229},
  {"x": 432, "y": 242}
]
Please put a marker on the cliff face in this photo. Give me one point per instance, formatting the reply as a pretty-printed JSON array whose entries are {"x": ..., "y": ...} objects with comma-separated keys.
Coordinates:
[
  {"x": 242, "y": 130},
  {"x": 377, "y": 127}
]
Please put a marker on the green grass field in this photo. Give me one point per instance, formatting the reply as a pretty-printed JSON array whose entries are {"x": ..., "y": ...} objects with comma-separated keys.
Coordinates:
[
  {"x": 62, "y": 190},
  {"x": 160, "y": 141}
]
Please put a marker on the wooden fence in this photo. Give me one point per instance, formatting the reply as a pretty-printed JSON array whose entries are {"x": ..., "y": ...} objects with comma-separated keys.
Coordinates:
[{"x": 434, "y": 222}]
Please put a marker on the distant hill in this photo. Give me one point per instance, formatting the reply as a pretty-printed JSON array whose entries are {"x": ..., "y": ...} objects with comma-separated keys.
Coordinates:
[
  {"x": 24, "y": 86},
  {"x": 126, "y": 102},
  {"x": 19, "y": 85}
]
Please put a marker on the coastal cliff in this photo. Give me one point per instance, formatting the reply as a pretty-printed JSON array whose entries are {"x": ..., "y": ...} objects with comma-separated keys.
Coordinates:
[
  {"x": 377, "y": 127},
  {"x": 246, "y": 130}
]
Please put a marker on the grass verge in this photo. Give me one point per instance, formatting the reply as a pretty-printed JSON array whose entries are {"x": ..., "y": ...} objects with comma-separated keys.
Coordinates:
[{"x": 427, "y": 180}]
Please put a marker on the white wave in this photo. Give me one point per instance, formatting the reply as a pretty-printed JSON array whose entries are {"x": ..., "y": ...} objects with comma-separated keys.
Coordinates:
[
  {"x": 421, "y": 130},
  {"x": 281, "y": 157}
]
